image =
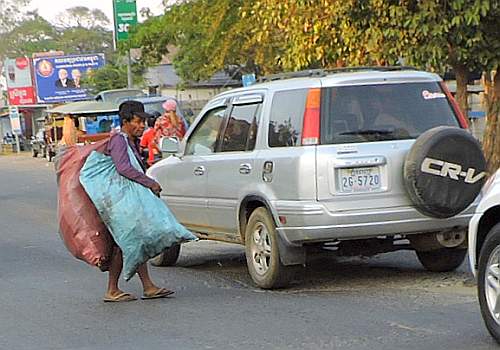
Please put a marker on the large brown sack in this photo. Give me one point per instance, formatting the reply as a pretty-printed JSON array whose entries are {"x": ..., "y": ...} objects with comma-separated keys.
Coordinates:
[{"x": 80, "y": 226}]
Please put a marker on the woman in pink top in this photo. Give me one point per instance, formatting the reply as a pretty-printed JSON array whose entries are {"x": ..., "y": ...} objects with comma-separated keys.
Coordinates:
[{"x": 169, "y": 124}]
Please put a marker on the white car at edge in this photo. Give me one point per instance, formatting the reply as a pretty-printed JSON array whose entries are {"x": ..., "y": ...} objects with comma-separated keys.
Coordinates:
[{"x": 484, "y": 253}]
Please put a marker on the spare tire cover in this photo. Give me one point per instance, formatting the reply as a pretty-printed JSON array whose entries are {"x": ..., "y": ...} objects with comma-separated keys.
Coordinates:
[{"x": 444, "y": 171}]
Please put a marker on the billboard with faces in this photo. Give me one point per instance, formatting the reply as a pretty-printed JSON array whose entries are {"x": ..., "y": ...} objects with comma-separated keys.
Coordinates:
[{"x": 61, "y": 78}]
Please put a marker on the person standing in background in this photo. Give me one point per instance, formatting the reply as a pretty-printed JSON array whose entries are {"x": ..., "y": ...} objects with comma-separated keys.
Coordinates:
[
  {"x": 148, "y": 145},
  {"x": 169, "y": 124}
]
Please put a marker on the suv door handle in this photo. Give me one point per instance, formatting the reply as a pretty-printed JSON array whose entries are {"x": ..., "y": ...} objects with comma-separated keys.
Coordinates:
[
  {"x": 245, "y": 168},
  {"x": 199, "y": 171}
]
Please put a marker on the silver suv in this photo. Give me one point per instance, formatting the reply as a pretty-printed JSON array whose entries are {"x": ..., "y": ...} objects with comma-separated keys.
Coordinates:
[{"x": 360, "y": 161}]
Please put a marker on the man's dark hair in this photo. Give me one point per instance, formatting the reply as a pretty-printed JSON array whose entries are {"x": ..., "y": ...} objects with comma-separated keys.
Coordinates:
[{"x": 128, "y": 109}]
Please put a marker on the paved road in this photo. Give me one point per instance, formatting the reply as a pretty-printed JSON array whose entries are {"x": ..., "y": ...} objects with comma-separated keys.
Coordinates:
[{"x": 48, "y": 300}]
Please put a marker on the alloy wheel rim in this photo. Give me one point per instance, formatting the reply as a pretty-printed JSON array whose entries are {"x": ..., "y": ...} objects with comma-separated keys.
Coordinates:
[
  {"x": 261, "y": 249},
  {"x": 492, "y": 284}
]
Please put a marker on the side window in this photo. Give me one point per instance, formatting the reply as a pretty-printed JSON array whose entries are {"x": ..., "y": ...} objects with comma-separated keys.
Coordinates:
[
  {"x": 204, "y": 139},
  {"x": 241, "y": 129},
  {"x": 285, "y": 122}
]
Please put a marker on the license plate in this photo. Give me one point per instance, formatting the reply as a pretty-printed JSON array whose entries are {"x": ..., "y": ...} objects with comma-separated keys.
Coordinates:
[{"x": 354, "y": 180}]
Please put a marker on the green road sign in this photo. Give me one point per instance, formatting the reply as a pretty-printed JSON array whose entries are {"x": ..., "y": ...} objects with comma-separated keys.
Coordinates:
[{"x": 125, "y": 15}]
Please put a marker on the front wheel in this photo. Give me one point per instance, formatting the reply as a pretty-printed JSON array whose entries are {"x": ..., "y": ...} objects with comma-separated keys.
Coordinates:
[
  {"x": 262, "y": 253},
  {"x": 488, "y": 282},
  {"x": 168, "y": 257},
  {"x": 442, "y": 260}
]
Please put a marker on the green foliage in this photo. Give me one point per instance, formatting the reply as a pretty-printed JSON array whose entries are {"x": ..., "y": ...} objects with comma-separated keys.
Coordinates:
[
  {"x": 209, "y": 35},
  {"x": 111, "y": 76},
  {"x": 271, "y": 36},
  {"x": 80, "y": 30},
  {"x": 34, "y": 34}
]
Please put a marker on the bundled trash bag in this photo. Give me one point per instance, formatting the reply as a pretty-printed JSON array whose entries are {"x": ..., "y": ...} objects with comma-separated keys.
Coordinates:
[
  {"x": 80, "y": 226},
  {"x": 140, "y": 223}
]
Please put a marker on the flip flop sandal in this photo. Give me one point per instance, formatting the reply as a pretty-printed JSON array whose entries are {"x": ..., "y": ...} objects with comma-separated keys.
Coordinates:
[
  {"x": 160, "y": 293},
  {"x": 119, "y": 298}
]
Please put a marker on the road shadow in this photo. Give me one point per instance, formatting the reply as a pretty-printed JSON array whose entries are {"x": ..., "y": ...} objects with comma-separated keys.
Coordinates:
[{"x": 325, "y": 271}]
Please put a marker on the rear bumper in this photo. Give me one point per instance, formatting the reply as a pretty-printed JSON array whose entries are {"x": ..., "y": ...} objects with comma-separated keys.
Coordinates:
[{"x": 310, "y": 222}]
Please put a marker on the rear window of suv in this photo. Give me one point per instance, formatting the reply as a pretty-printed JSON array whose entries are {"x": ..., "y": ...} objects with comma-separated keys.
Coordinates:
[{"x": 352, "y": 114}]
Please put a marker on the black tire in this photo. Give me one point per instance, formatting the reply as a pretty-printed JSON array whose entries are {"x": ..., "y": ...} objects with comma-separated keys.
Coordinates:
[
  {"x": 168, "y": 257},
  {"x": 272, "y": 274},
  {"x": 34, "y": 153},
  {"x": 49, "y": 156},
  {"x": 442, "y": 260},
  {"x": 491, "y": 243},
  {"x": 444, "y": 171}
]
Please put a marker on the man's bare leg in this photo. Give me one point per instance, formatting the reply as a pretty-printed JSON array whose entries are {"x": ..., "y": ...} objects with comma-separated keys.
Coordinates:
[
  {"x": 115, "y": 269},
  {"x": 147, "y": 284}
]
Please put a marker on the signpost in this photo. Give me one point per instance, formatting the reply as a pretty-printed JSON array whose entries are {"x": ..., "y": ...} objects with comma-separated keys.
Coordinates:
[
  {"x": 248, "y": 79},
  {"x": 15, "y": 124},
  {"x": 125, "y": 15}
]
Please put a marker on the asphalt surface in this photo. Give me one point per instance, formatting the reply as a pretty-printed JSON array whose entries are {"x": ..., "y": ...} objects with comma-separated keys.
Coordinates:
[{"x": 49, "y": 300}]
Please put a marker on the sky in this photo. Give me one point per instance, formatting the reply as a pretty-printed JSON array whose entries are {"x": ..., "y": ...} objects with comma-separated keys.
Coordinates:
[{"x": 49, "y": 9}]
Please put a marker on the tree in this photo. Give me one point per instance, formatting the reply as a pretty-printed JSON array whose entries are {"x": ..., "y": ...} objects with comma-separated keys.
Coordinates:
[
  {"x": 11, "y": 13},
  {"x": 490, "y": 58},
  {"x": 491, "y": 139},
  {"x": 448, "y": 33},
  {"x": 82, "y": 17},
  {"x": 111, "y": 76},
  {"x": 33, "y": 34},
  {"x": 210, "y": 36},
  {"x": 83, "y": 30}
]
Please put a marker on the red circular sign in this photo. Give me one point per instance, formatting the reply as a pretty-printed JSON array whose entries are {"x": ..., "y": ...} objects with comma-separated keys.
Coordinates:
[{"x": 22, "y": 62}]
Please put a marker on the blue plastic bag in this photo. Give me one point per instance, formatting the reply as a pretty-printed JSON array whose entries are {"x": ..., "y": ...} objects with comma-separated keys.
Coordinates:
[{"x": 140, "y": 223}]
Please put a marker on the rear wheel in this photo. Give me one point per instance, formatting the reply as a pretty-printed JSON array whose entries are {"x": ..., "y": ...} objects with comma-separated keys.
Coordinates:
[
  {"x": 34, "y": 153},
  {"x": 488, "y": 282},
  {"x": 262, "y": 253},
  {"x": 442, "y": 260},
  {"x": 168, "y": 257}
]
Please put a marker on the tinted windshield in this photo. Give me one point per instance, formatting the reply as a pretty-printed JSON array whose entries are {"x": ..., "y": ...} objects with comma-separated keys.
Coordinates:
[{"x": 383, "y": 112}]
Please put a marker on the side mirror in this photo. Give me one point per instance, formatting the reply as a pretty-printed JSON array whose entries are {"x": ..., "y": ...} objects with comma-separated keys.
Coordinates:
[{"x": 169, "y": 145}]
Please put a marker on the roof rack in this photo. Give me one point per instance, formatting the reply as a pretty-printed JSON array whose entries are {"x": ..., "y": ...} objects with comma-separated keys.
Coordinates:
[{"x": 323, "y": 72}]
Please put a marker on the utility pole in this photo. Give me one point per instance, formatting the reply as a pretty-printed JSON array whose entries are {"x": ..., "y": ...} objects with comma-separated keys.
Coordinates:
[{"x": 129, "y": 70}]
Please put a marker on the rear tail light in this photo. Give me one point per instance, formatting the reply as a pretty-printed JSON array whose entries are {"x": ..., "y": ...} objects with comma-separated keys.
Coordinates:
[
  {"x": 458, "y": 112},
  {"x": 310, "y": 129}
]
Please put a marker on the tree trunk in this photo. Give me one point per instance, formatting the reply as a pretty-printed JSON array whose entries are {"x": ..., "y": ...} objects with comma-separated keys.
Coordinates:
[
  {"x": 491, "y": 139},
  {"x": 462, "y": 76}
]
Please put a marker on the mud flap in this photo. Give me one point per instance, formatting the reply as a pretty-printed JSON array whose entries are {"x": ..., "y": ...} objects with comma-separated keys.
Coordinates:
[{"x": 290, "y": 254}]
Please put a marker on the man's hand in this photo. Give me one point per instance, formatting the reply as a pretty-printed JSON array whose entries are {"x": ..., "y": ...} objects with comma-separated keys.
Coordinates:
[{"x": 156, "y": 188}]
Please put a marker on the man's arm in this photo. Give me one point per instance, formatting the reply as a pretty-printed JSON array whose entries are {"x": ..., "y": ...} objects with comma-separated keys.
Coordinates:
[{"x": 117, "y": 149}]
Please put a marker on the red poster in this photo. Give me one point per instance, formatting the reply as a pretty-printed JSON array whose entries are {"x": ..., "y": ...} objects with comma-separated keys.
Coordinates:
[{"x": 21, "y": 96}]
